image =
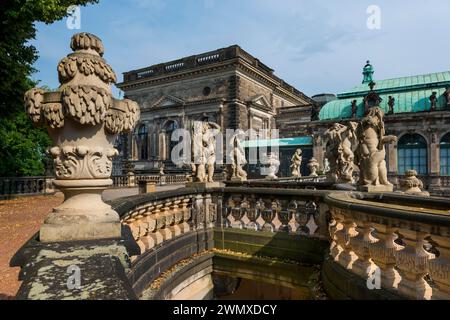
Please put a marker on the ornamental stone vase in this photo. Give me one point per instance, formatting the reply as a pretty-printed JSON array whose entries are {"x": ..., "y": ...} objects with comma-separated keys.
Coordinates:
[{"x": 83, "y": 120}]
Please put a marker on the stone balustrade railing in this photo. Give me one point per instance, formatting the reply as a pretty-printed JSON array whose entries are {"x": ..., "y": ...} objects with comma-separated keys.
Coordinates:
[
  {"x": 125, "y": 181},
  {"x": 275, "y": 210},
  {"x": 155, "y": 218},
  {"x": 26, "y": 185},
  {"x": 407, "y": 247}
]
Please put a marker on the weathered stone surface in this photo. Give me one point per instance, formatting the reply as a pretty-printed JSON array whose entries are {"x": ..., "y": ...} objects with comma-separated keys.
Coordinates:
[{"x": 47, "y": 270}]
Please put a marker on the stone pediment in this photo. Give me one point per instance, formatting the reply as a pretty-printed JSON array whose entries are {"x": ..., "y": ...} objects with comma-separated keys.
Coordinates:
[
  {"x": 261, "y": 102},
  {"x": 167, "y": 101}
]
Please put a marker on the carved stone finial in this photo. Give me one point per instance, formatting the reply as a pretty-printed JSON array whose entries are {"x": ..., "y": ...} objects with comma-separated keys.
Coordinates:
[
  {"x": 411, "y": 184},
  {"x": 83, "y": 120},
  {"x": 313, "y": 166}
]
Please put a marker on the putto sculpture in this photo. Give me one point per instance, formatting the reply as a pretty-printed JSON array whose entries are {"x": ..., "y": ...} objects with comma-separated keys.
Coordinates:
[
  {"x": 238, "y": 160},
  {"x": 339, "y": 150},
  {"x": 83, "y": 120},
  {"x": 204, "y": 150},
  {"x": 296, "y": 162},
  {"x": 371, "y": 152},
  {"x": 274, "y": 164}
]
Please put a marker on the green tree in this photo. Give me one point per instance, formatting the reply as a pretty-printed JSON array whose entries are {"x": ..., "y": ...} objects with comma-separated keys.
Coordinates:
[{"x": 21, "y": 145}]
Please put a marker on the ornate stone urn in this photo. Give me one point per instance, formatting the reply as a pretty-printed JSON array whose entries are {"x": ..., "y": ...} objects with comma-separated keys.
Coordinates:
[
  {"x": 83, "y": 120},
  {"x": 410, "y": 184}
]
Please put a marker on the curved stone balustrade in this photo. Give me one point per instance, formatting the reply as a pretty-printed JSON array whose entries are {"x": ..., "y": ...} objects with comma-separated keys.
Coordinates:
[
  {"x": 407, "y": 247},
  {"x": 275, "y": 210}
]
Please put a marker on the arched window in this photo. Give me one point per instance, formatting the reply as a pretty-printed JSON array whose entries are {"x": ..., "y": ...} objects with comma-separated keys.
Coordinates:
[
  {"x": 412, "y": 154},
  {"x": 445, "y": 154},
  {"x": 143, "y": 142},
  {"x": 169, "y": 128}
]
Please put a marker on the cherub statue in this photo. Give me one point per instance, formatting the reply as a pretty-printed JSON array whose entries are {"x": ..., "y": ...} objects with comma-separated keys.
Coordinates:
[
  {"x": 339, "y": 151},
  {"x": 296, "y": 162},
  {"x": 238, "y": 160},
  {"x": 371, "y": 152}
]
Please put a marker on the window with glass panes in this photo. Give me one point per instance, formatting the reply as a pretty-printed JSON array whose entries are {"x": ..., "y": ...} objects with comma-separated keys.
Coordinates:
[
  {"x": 412, "y": 154},
  {"x": 445, "y": 154}
]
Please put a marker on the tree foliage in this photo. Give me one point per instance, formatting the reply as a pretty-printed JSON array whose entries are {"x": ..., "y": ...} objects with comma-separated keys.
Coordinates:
[{"x": 21, "y": 145}]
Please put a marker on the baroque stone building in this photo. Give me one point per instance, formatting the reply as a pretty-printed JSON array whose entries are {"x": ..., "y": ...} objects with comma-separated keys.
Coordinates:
[
  {"x": 227, "y": 86},
  {"x": 417, "y": 110}
]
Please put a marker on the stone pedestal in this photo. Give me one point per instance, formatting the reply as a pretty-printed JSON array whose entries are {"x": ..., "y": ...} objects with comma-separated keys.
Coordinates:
[
  {"x": 147, "y": 187},
  {"x": 379, "y": 188},
  {"x": 203, "y": 185}
]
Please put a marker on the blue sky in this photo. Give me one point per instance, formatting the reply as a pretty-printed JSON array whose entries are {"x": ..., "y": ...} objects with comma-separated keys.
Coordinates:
[{"x": 317, "y": 46}]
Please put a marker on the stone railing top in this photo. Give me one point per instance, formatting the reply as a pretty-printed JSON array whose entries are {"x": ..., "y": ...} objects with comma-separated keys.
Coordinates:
[{"x": 425, "y": 210}]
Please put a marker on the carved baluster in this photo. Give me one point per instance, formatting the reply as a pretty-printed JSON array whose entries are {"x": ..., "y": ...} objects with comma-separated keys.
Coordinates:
[
  {"x": 412, "y": 263},
  {"x": 150, "y": 223},
  {"x": 440, "y": 268},
  {"x": 198, "y": 212},
  {"x": 236, "y": 212},
  {"x": 177, "y": 217},
  {"x": 311, "y": 212},
  {"x": 260, "y": 207},
  {"x": 363, "y": 266},
  {"x": 293, "y": 209},
  {"x": 383, "y": 254},
  {"x": 169, "y": 220},
  {"x": 276, "y": 222},
  {"x": 186, "y": 215},
  {"x": 347, "y": 256},
  {"x": 160, "y": 223},
  {"x": 335, "y": 226}
]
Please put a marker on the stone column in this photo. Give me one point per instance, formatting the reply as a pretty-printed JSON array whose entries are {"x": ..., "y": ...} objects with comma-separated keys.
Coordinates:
[
  {"x": 83, "y": 120},
  {"x": 434, "y": 160}
]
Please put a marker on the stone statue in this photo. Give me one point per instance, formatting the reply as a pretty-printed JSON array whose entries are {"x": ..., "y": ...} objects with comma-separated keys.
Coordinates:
[
  {"x": 313, "y": 166},
  {"x": 238, "y": 160},
  {"x": 296, "y": 162},
  {"x": 410, "y": 184},
  {"x": 339, "y": 151},
  {"x": 83, "y": 120},
  {"x": 204, "y": 150},
  {"x": 274, "y": 164},
  {"x": 354, "y": 109},
  {"x": 326, "y": 165},
  {"x": 447, "y": 97},
  {"x": 433, "y": 101},
  {"x": 209, "y": 143},
  {"x": 371, "y": 153},
  {"x": 391, "y": 104}
]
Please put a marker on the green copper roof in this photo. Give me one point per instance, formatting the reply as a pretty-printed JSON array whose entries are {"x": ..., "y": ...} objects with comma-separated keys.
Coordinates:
[
  {"x": 297, "y": 141},
  {"x": 412, "y": 94},
  {"x": 402, "y": 84}
]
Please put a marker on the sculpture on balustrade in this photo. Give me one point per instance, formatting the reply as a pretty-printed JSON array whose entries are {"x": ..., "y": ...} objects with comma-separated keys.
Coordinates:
[
  {"x": 326, "y": 165},
  {"x": 204, "y": 150},
  {"x": 447, "y": 97},
  {"x": 313, "y": 166},
  {"x": 391, "y": 104},
  {"x": 339, "y": 151},
  {"x": 433, "y": 101},
  {"x": 274, "y": 164},
  {"x": 296, "y": 162},
  {"x": 83, "y": 120},
  {"x": 410, "y": 184},
  {"x": 238, "y": 160},
  {"x": 371, "y": 153}
]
